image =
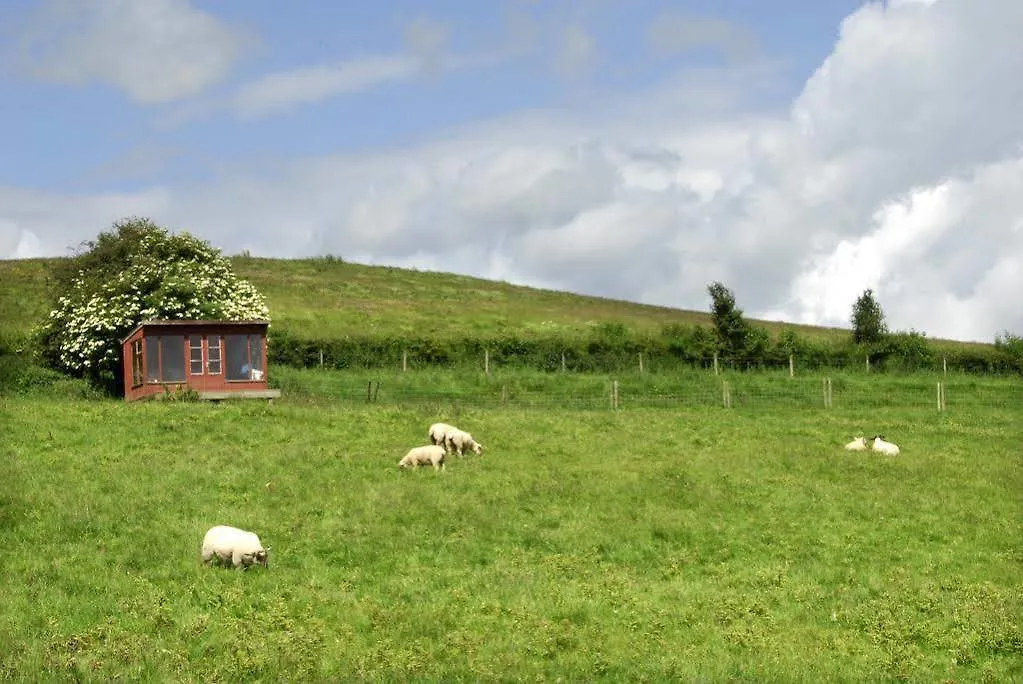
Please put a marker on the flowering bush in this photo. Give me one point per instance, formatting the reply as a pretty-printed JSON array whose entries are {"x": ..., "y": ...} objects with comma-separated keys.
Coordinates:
[{"x": 140, "y": 273}]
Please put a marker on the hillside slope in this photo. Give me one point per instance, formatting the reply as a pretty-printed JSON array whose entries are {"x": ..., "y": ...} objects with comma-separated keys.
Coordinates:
[{"x": 328, "y": 298}]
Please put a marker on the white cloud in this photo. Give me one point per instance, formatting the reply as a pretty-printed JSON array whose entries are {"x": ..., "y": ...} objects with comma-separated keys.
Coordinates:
[
  {"x": 427, "y": 39},
  {"x": 153, "y": 50},
  {"x": 283, "y": 90},
  {"x": 677, "y": 32},
  {"x": 577, "y": 50},
  {"x": 898, "y": 167}
]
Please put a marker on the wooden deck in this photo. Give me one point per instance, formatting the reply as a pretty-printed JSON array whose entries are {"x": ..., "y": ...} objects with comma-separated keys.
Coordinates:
[{"x": 219, "y": 395}]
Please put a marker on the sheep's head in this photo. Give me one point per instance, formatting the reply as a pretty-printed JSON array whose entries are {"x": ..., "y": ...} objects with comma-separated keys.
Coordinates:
[
  {"x": 477, "y": 448},
  {"x": 262, "y": 557}
]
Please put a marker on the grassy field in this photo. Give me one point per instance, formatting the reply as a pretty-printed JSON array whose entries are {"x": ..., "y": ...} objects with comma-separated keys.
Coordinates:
[
  {"x": 643, "y": 544},
  {"x": 325, "y": 299}
]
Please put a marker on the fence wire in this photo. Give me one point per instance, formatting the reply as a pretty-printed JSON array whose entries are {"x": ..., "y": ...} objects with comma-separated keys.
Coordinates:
[{"x": 735, "y": 391}]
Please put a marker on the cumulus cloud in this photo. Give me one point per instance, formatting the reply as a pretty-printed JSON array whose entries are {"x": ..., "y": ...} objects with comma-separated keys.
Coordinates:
[
  {"x": 155, "y": 51},
  {"x": 899, "y": 166}
]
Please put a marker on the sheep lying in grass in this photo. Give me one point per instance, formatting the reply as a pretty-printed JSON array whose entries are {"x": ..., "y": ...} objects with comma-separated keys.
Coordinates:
[
  {"x": 242, "y": 548},
  {"x": 858, "y": 444},
  {"x": 431, "y": 454},
  {"x": 460, "y": 440},
  {"x": 886, "y": 448},
  {"x": 439, "y": 431}
]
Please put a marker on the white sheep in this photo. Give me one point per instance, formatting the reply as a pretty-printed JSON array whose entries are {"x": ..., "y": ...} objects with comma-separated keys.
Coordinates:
[
  {"x": 438, "y": 432},
  {"x": 242, "y": 548},
  {"x": 886, "y": 448},
  {"x": 431, "y": 454},
  {"x": 460, "y": 440},
  {"x": 858, "y": 444}
]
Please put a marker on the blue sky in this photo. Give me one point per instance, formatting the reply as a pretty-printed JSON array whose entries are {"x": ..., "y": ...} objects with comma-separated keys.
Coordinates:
[
  {"x": 64, "y": 137},
  {"x": 800, "y": 152}
]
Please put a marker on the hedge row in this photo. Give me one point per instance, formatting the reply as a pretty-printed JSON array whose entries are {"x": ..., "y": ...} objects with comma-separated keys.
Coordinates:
[{"x": 613, "y": 353}]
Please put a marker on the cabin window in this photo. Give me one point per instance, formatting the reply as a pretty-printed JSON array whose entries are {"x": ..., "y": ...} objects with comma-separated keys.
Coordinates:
[
  {"x": 195, "y": 354},
  {"x": 138, "y": 363},
  {"x": 165, "y": 358},
  {"x": 244, "y": 357},
  {"x": 213, "y": 355}
]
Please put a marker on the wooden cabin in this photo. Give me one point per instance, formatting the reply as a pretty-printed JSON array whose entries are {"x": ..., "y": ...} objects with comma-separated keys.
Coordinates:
[{"x": 217, "y": 359}]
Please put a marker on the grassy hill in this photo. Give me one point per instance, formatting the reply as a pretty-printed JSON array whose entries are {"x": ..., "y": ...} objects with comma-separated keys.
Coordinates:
[{"x": 327, "y": 298}]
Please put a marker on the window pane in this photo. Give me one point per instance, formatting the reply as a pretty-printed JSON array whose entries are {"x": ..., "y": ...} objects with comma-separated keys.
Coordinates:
[
  {"x": 172, "y": 358},
  {"x": 213, "y": 367},
  {"x": 195, "y": 354},
  {"x": 152, "y": 359},
  {"x": 256, "y": 356},
  {"x": 237, "y": 350},
  {"x": 137, "y": 367}
]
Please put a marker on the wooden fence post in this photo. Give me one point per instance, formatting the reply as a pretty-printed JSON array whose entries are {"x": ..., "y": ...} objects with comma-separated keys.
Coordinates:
[
  {"x": 321, "y": 358},
  {"x": 562, "y": 362},
  {"x": 944, "y": 365},
  {"x": 614, "y": 395},
  {"x": 376, "y": 391},
  {"x": 404, "y": 360},
  {"x": 715, "y": 363},
  {"x": 726, "y": 394},
  {"x": 641, "y": 362},
  {"x": 792, "y": 367},
  {"x": 868, "y": 363},
  {"x": 369, "y": 391},
  {"x": 504, "y": 394},
  {"x": 486, "y": 361},
  {"x": 941, "y": 396}
]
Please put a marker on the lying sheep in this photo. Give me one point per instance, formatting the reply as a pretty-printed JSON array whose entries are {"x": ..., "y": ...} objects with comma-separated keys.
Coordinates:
[
  {"x": 460, "y": 440},
  {"x": 438, "y": 432},
  {"x": 242, "y": 548},
  {"x": 858, "y": 444},
  {"x": 431, "y": 454},
  {"x": 886, "y": 448}
]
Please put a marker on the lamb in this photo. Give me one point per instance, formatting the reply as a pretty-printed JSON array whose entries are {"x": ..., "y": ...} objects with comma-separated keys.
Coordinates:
[
  {"x": 884, "y": 447},
  {"x": 439, "y": 431},
  {"x": 242, "y": 548},
  {"x": 858, "y": 444},
  {"x": 432, "y": 454},
  {"x": 458, "y": 440}
]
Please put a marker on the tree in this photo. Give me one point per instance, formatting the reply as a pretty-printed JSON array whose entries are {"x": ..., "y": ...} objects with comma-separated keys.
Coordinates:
[
  {"x": 868, "y": 322},
  {"x": 734, "y": 334},
  {"x": 136, "y": 272}
]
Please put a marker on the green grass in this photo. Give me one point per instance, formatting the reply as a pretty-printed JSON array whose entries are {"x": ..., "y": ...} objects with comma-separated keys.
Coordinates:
[
  {"x": 695, "y": 543},
  {"x": 329, "y": 299}
]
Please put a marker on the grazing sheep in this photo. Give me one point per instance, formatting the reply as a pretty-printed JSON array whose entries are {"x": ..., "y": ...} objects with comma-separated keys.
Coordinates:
[
  {"x": 884, "y": 447},
  {"x": 432, "y": 454},
  {"x": 439, "y": 431},
  {"x": 460, "y": 440},
  {"x": 242, "y": 548},
  {"x": 858, "y": 444}
]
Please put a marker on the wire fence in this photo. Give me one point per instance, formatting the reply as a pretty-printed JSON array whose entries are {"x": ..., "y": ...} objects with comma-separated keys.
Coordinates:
[{"x": 730, "y": 390}]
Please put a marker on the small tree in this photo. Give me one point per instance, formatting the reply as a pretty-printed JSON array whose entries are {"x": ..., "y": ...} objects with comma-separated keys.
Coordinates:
[
  {"x": 136, "y": 272},
  {"x": 868, "y": 322},
  {"x": 736, "y": 337}
]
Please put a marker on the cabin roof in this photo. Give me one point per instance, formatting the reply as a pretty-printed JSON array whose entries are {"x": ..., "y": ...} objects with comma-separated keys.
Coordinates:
[{"x": 213, "y": 323}]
